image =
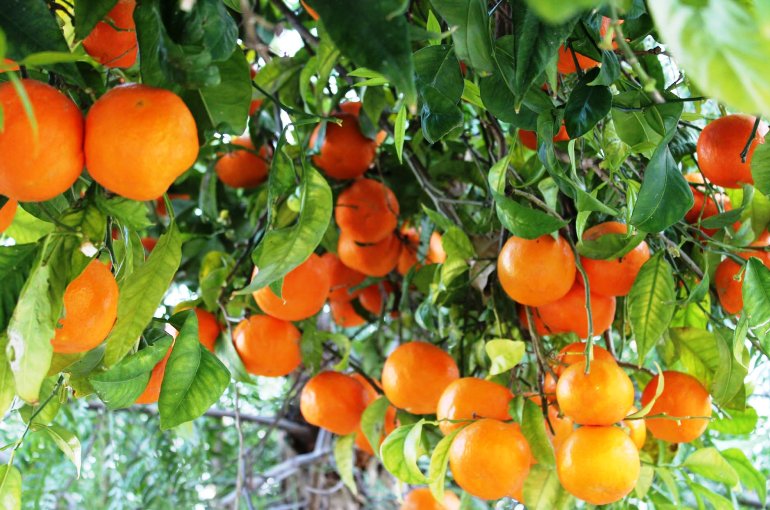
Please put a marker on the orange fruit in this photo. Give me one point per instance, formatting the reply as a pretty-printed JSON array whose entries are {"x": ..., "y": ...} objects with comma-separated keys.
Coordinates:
[
  {"x": 568, "y": 313},
  {"x": 720, "y": 145},
  {"x": 149, "y": 243},
  {"x": 529, "y": 138},
  {"x": 90, "y": 310},
  {"x": 390, "y": 421},
  {"x": 636, "y": 429},
  {"x": 416, "y": 374},
  {"x": 411, "y": 244},
  {"x": 37, "y": 168},
  {"x": 333, "y": 401},
  {"x": 490, "y": 459},
  {"x": 566, "y": 63},
  {"x": 208, "y": 328},
  {"x": 562, "y": 427},
  {"x": 730, "y": 290},
  {"x": 345, "y": 152},
  {"x": 536, "y": 272},
  {"x": 706, "y": 207},
  {"x": 243, "y": 168},
  {"x": 540, "y": 328},
  {"x": 151, "y": 392},
  {"x": 575, "y": 353},
  {"x": 367, "y": 211},
  {"x": 304, "y": 292},
  {"x": 599, "y": 465},
  {"x": 7, "y": 212},
  {"x": 267, "y": 346},
  {"x": 471, "y": 398},
  {"x": 341, "y": 278},
  {"x": 613, "y": 277},
  {"x": 255, "y": 105},
  {"x": 422, "y": 499},
  {"x": 344, "y": 314},
  {"x": 682, "y": 396},
  {"x": 160, "y": 204},
  {"x": 309, "y": 10},
  {"x": 112, "y": 42},
  {"x": 602, "y": 397},
  {"x": 371, "y": 298},
  {"x": 139, "y": 139},
  {"x": 376, "y": 259}
]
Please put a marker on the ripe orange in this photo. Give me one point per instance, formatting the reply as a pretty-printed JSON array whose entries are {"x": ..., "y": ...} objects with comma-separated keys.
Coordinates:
[
  {"x": 529, "y": 138},
  {"x": 490, "y": 459},
  {"x": 575, "y": 353},
  {"x": 470, "y": 398},
  {"x": 304, "y": 292},
  {"x": 243, "y": 168},
  {"x": 540, "y": 328},
  {"x": 367, "y": 211},
  {"x": 411, "y": 244},
  {"x": 112, "y": 42},
  {"x": 730, "y": 290},
  {"x": 706, "y": 207},
  {"x": 151, "y": 392},
  {"x": 90, "y": 310},
  {"x": 568, "y": 313},
  {"x": 256, "y": 104},
  {"x": 371, "y": 297},
  {"x": 344, "y": 314},
  {"x": 682, "y": 396},
  {"x": 333, "y": 401},
  {"x": 416, "y": 374},
  {"x": 149, "y": 243},
  {"x": 376, "y": 259},
  {"x": 7, "y": 212},
  {"x": 720, "y": 145},
  {"x": 345, "y": 152},
  {"x": 139, "y": 139},
  {"x": 160, "y": 204},
  {"x": 37, "y": 168},
  {"x": 390, "y": 422},
  {"x": 341, "y": 278},
  {"x": 562, "y": 427},
  {"x": 309, "y": 10},
  {"x": 566, "y": 63},
  {"x": 208, "y": 328},
  {"x": 602, "y": 397},
  {"x": 422, "y": 499},
  {"x": 636, "y": 429},
  {"x": 267, "y": 346},
  {"x": 536, "y": 272},
  {"x": 599, "y": 465},
  {"x": 613, "y": 277}
]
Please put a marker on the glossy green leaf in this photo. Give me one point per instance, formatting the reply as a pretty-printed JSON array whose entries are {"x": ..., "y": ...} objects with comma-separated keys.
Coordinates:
[
  {"x": 15, "y": 264},
  {"x": 665, "y": 196},
  {"x": 709, "y": 463},
  {"x": 698, "y": 352},
  {"x": 26, "y": 228},
  {"x": 751, "y": 478},
  {"x": 438, "y": 464},
  {"x": 122, "y": 384},
  {"x": 609, "y": 246},
  {"x": 413, "y": 450},
  {"x": 437, "y": 66},
  {"x": 533, "y": 427},
  {"x": 587, "y": 105},
  {"x": 737, "y": 423},
  {"x": 504, "y": 354},
  {"x": 394, "y": 459},
  {"x": 760, "y": 168},
  {"x": 471, "y": 37},
  {"x": 194, "y": 378},
  {"x": 439, "y": 114},
  {"x": 731, "y": 369},
  {"x": 10, "y": 488},
  {"x": 130, "y": 213},
  {"x": 650, "y": 303},
  {"x": 756, "y": 296},
  {"x": 141, "y": 293},
  {"x": 343, "y": 458},
  {"x": 373, "y": 422},
  {"x": 543, "y": 491}
]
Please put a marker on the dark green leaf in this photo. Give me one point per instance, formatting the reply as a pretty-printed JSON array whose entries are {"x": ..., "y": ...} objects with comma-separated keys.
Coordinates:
[
  {"x": 609, "y": 71},
  {"x": 470, "y": 21},
  {"x": 15, "y": 264},
  {"x": 88, "y": 13},
  {"x": 437, "y": 66},
  {"x": 587, "y": 105},
  {"x": 439, "y": 114},
  {"x": 665, "y": 196},
  {"x": 558, "y": 11}
]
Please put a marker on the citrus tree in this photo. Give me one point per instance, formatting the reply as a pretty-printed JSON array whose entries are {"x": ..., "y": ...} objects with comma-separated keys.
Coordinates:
[{"x": 417, "y": 255}]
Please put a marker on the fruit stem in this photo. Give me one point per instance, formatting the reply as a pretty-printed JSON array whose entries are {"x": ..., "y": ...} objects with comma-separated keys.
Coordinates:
[
  {"x": 648, "y": 82},
  {"x": 745, "y": 151}
]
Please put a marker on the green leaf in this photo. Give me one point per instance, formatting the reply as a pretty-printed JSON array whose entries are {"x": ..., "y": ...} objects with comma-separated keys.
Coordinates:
[
  {"x": 437, "y": 67},
  {"x": 67, "y": 442},
  {"x": 122, "y": 384},
  {"x": 665, "y": 196},
  {"x": 644, "y": 483},
  {"x": 731, "y": 369},
  {"x": 651, "y": 303},
  {"x": 722, "y": 47},
  {"x": 400, "y": 132},
  {"x": 518, "y": 219},
  {"x": 717, "y": 501},
  {"x": 470, "y": 21},
  {"x": 15, "y": 264},
  {"x": 373, "y": 35},
  {"x": 7, "y": 384},
  {"x": 533, "y": 427},
  {"x": 609, "y": 70},
  {"x": 709, "y": 463},
  {"x": 439, "y": 114},
  {"x": 343, "y": 458},
  {"x": 27, "y": 228},
  {"x": 756, "y": 296},
  {"x": 760, "y": 168},
  {"x": 373, "y": 422},
  {"x": 10, "y": 488},
  {"x": 738, "y": 423},
  {"x": 413, "y": 450},
  {"x": 543, "y": 491},
  {"x": 130, "y": 213},
  {"x": 88, "y": 13},
  {"x": 586, "y": 106},
  {"x": 30, "y": 27},
  {"x": 609, "y": 246},
  {"x": 698, "y": 352},
  {"x": 504, "y": 354},
  {"x": 438, "y": 464},
  {"x": 751, "y": 478},
  {"x": 224, "y": 106},
  {"x": 194, "y": 378},
  {"x": 457, "y": 244},
  {"x": 281, "y": 250},
  {"x": 141, "y": 293},
  {"x": 394, "y": 459},
  {"x": 558, "y": 11}
]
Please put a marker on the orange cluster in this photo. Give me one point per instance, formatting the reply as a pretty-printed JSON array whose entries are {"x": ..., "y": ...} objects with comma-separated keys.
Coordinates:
[{"x": 542, "y": 273}]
